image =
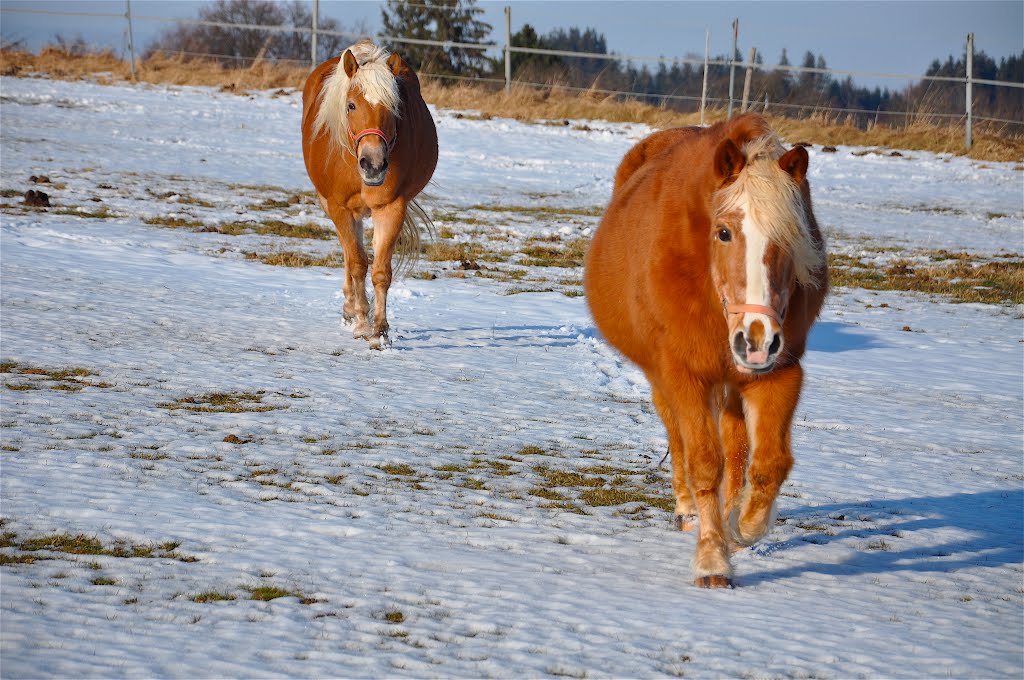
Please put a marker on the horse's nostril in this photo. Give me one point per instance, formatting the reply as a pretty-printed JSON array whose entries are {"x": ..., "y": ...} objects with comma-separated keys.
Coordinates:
[
  {"x": 776, "y": 345},
  {"x": 365, "y": 164},
  {"x": 739, "y": 344}
]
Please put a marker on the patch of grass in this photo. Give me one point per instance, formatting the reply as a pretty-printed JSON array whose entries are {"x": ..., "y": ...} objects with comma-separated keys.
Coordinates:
[
  {"x": 212, "y": 596},
  {"x": 540, "y": 210},
  {"x": 608, "y": 470},
  {"x": 221, "y": 402},
  {"x": 496, "y": 517},
  {"x": 394, "y": 616},
  {"x": 103, "y": 581},
  {"x": 143, "y": 455},
  {"x": 563, "y": 478},
  {"x": 571, "y": 255},
  {"x": 308, "y": 230},
  {"x": 82, "y": 544},
  {"x": 267, "y": 593},
  {"x": 548, "y": 494},
  {"x": 286, "y": 258},
  {"x": 101, "y": 214},
  {"x": 531, "y": 451},
  {"x": 951, "y": 275},
  {"x": 397, "y": 469},
  {"x": 451, "y": 467},
  {"x": 68, "y": 379},
  {"x": 173, "y": 222},
  {"x": 474, "y": 484},
  {"x": 19, "y": 559},
  {"x": 620, "y": 496}
]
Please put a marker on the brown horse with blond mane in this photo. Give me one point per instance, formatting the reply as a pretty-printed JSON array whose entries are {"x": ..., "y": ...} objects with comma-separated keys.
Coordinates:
[
  {"x": 708, "y": 271},
  {"x": 370, "y": 147}
]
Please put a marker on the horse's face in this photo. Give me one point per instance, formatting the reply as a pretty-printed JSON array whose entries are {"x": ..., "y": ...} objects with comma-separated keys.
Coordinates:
[
  {"x": 372, "y": 125},
  {"x": 753, "y": 276}
]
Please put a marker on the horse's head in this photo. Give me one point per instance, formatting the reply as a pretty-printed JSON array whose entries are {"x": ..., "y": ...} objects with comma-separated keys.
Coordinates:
[
  {"x": 761, "y": 248},
  {"x": 372, "y": 110}
]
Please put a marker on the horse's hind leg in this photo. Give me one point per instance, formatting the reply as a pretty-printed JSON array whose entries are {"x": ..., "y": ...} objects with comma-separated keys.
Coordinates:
[
  {"x": 686, "y": 512},
  {"x": 350, "y": 234},
  {"x": 387, "y": 225},
  {"x": 770, "y": 403}
]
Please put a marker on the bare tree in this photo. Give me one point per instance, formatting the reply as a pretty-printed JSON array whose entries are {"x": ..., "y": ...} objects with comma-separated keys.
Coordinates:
[{"x": 242, "y": 44}]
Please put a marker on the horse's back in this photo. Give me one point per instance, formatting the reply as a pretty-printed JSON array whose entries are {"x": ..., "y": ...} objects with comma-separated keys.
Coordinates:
[{"x": 648, "y": 148}]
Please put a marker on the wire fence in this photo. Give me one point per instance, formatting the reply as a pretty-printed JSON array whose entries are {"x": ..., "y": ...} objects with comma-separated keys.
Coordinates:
[{"x": 506, "y": 49}]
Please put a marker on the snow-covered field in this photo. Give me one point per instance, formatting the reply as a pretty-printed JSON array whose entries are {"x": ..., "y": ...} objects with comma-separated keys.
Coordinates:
[{"x": 437, "y": 509}]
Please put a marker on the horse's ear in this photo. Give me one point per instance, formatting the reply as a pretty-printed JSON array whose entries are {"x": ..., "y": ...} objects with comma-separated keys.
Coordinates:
[
  {"x": 350, "y": 63},
  {"x": 396, "y": 64},
  {"x": 728, "y": 161},
  {"x": 794, "y": 162}
]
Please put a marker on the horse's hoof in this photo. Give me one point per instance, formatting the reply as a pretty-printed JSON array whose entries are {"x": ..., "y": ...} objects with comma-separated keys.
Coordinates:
[
  {"x": 714, "y": 582},
  {"x": 379, "y": 341},
  {"x": 685, "y": 522}
]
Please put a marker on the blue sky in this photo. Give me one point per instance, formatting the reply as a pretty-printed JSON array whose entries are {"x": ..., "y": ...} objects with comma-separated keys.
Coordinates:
[{"x": 881, "y": 37}]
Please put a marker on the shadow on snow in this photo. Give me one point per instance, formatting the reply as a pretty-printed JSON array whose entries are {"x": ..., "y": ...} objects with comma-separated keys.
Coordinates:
[{"x": 992, "y": 521}]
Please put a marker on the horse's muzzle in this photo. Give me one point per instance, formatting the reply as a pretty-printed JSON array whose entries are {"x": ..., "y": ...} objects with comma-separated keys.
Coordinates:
[
  {"x": 373, "y": 174},
  {"x": 753, "y": 357}
]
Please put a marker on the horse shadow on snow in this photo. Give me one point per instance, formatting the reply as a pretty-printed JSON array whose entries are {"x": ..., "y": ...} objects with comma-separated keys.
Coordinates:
[{"x": 971, "y": 530}]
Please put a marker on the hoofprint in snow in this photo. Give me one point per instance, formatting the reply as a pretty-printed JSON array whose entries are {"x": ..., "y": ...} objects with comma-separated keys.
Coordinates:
[{"x": 485, "y": 498}]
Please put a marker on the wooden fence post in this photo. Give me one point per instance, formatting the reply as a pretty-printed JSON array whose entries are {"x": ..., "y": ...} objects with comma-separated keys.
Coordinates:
[
  {"x": 508, "y": 53},
  {"x": 732, "y": 62},
  {"x": 746, "y": 78},
  {"x": 131, "y": 40},
  {"x": 704, "y": 89},
  {"x": 316, "y": 22}
]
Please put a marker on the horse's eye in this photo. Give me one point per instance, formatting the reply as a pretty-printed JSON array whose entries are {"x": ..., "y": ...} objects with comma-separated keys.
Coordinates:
[
  {"x": 351, "y": 106},
  {"x": 724, "y": 235}
]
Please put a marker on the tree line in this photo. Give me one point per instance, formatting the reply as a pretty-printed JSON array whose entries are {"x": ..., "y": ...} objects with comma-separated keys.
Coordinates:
[{"x": 677, "y": 85}]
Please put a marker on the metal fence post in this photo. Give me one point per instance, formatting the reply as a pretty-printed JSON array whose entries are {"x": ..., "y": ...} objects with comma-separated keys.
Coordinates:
[
  {"x": 732, "y": 62},
  {"x": 316, "y": 22},
  {"x": 970, "y": 84},
  {"x": 746, "y": 78},
  {"x": 704, "y": 88},
  {"x": 131, "y": 41}
]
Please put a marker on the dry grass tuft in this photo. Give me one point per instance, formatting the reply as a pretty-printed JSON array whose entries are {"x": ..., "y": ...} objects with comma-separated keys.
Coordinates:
[{"x": 953, "y": 275}]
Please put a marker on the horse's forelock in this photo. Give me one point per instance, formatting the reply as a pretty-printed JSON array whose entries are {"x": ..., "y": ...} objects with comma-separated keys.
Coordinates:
[
  {"x": 776, "y": 205},
  {"x": 374, "y": 79}
]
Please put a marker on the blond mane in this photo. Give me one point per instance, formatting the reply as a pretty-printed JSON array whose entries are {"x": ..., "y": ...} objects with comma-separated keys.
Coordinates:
[
  {"x": 374, "y": 79},
  {"x": 776, "y": 206}
]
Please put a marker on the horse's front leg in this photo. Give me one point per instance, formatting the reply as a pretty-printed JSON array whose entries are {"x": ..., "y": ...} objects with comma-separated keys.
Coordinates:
[
  {"x": 387, "y": 225},
  {"x": 685, "y": 518},
  {"x": 733, "y": 429},
  {"x": 693, "y": 408},
  {"x": 770, "y": 403},
  {"x": 350, "y": 235}
]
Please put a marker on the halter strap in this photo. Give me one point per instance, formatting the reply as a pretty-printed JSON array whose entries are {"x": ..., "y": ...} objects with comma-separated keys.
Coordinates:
[
  {"x": 369, "y": 131},
  {"x": 756, "y": 309}
]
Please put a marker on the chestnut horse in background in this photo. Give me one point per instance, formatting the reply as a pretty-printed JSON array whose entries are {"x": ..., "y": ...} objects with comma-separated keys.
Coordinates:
[
  {"x": 708, "y": 270},
  {"x": 370, "y": 147}
]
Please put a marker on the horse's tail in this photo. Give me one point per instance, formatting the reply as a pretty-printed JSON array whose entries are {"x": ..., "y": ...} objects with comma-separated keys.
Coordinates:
[{"x": 408, "y": 247}]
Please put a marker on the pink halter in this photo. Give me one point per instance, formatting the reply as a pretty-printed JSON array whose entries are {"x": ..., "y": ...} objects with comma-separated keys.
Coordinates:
[
  {"x": 756, "y": 309},
  {"x": 370, "y": 131}
]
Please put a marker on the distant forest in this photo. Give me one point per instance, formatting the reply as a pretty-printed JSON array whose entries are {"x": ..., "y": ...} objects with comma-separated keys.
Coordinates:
[
  {"x": 787, "y": 92},
  {"x": 780, "y": 86}
]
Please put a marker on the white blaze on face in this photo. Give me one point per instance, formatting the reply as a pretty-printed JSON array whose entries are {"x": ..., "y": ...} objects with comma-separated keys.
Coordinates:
[{"x": 758, "y": 290}]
